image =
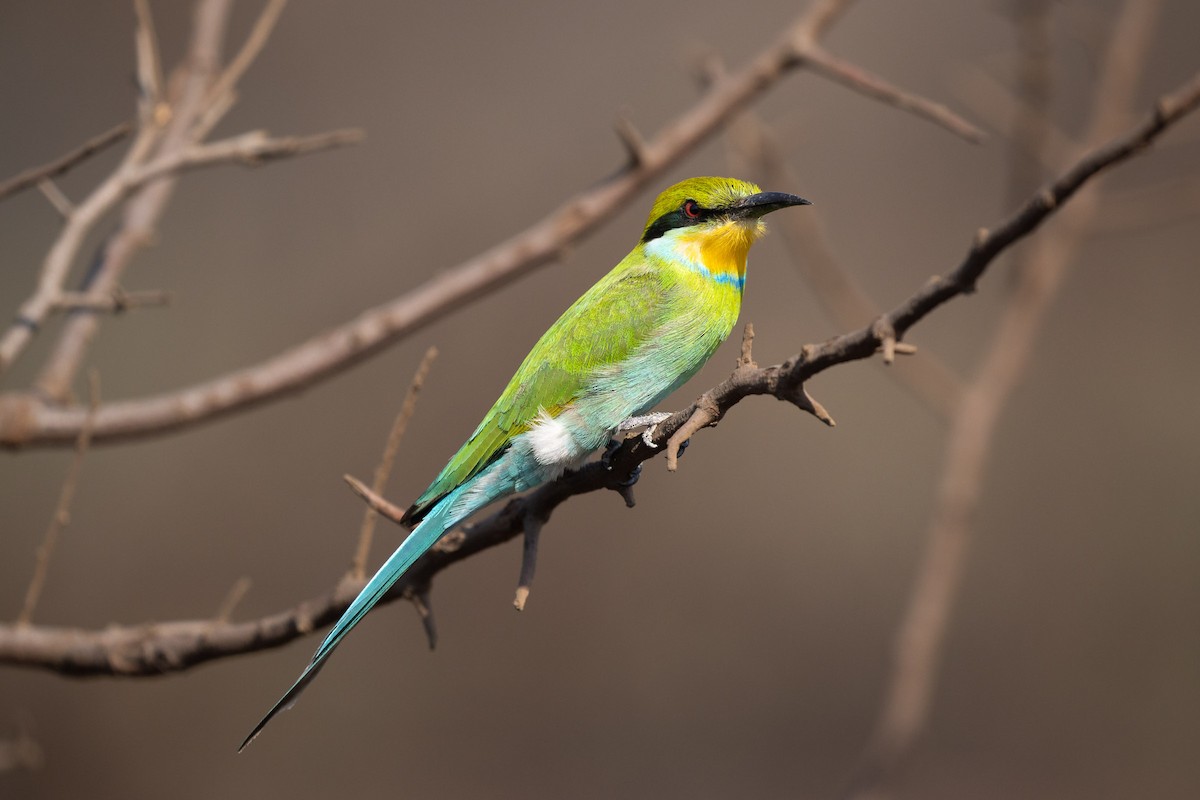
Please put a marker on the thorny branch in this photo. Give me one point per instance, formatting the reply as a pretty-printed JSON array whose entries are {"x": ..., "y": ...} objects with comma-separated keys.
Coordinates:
[
  {"x": 173, "y": 646},
  {"x": 833, "y": 286},
  {"x": 1039, "y": 270}
]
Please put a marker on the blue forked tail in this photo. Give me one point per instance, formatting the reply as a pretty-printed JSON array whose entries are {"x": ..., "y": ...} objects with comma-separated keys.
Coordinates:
[{"x": 441, "y": 518}]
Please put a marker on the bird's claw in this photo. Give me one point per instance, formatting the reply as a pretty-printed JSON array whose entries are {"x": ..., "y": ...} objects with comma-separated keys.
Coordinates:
[
  {"x": 609, "y": 450},
  {"x": 650, "y": 420},
  {"x": 632, "y": 479}
]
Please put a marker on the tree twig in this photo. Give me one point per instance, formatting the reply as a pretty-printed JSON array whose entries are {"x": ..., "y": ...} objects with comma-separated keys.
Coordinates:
[
  {"x": 384, "y": 469},
  {"x": 62, "y": 510},
  {"x": 153, "y": 109},
  {"x": 873, "y": 86},
  {"x": 259, "y": 34},
  {"x": 60, "y": 165},
  {"x": 116, "y": 301}
]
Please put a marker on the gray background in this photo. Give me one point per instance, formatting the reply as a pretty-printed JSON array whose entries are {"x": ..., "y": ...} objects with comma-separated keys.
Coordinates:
[{"x": 730, "y": 636}]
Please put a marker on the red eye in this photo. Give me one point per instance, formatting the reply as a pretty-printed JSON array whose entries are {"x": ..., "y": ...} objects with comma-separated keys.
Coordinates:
[{"x": 691, "y": 210}]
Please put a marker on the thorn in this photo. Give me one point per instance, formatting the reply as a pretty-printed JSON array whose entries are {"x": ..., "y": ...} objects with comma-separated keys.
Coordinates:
[
  {"x": 421, "y": 602},
  {"x": 882, "y": 330},
  {"x": 379, "y": 504},
  {"x": 522, "y": 596},
  {"x": 706, "y": 415},
  {"x": 805, "y": 402},
  {"x": 905, "y": 349},
  {"x": 635, "y": 145},
  {"x": 61, "y": 203},
  {"x": 746, "y": 358},
  {"x": 236, "y": 593},
  {"x": 533, "y": 530},
  {"x": 710, "y": 70}
]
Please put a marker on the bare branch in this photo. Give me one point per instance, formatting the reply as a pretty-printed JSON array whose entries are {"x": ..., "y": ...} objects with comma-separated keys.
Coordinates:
[
  {"x": 60, "y": 165},
  {"x": 62, "y": 510},
  {"x": 116, "y": 301},
  {"x": 920, "y": 639},
  {"x": 231, "y": 601},
  {"x": 26, "y": 420},
  {"x": 251, "y": 149},
  {"x": 858, "y": 79},
  {"x": 384, "y": 470},
  {"x": 632, "y": 140},
  {"x": 821, "y": 18},
  {"x": 253, "y": 45},
  {"x": 62, "y": 204},
  {"x": 424, "y": 606},
  {"x": 377, "y": 503},
  {"x": 193, "y": 113},
  {"x": 154, "y": 111},
  {"x": 139, "y": 219}
]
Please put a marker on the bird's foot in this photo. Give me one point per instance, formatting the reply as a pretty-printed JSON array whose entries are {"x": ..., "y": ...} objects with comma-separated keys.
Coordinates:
[
  {"x": 625, "y": 487},
  {"x": 606, "y": 460},
  {"x": 609, "y": 449},
  {"x": 651, "y": 420},
  {"x": 632, "y": 479}
]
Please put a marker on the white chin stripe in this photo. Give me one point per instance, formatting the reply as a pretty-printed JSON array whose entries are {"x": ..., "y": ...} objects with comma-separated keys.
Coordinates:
[{"x": 551, "y": 442}]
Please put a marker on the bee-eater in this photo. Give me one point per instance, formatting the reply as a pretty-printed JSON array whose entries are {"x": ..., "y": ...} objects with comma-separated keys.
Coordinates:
[{"x": 640, "y": 333}]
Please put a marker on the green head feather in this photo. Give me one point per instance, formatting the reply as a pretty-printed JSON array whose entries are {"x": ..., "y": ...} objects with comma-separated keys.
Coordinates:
[{"x": 709, "y": 197}]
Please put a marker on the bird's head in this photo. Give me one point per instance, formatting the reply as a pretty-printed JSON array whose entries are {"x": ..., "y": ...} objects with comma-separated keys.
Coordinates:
[
  {"x": 713, "y": 221},
  {"x": 710, "y": 203}
]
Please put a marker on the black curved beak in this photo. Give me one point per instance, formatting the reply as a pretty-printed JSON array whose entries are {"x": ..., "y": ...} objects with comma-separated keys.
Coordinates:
[{"x": 757, "y": 205}]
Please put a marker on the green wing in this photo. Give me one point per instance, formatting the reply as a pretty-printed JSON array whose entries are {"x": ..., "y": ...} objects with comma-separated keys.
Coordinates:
[{"x": 600, "y": 329}]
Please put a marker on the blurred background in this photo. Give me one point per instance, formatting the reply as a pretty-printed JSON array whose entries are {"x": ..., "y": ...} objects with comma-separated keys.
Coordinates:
[{"x": 731, "y": 635}]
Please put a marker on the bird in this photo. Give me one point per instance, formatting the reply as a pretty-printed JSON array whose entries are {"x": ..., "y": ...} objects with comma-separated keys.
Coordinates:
[{"x": 636, "y": 336}]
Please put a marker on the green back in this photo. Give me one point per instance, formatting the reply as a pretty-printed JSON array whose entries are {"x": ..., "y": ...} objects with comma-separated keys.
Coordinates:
[{"x": 597, "y": 332}]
